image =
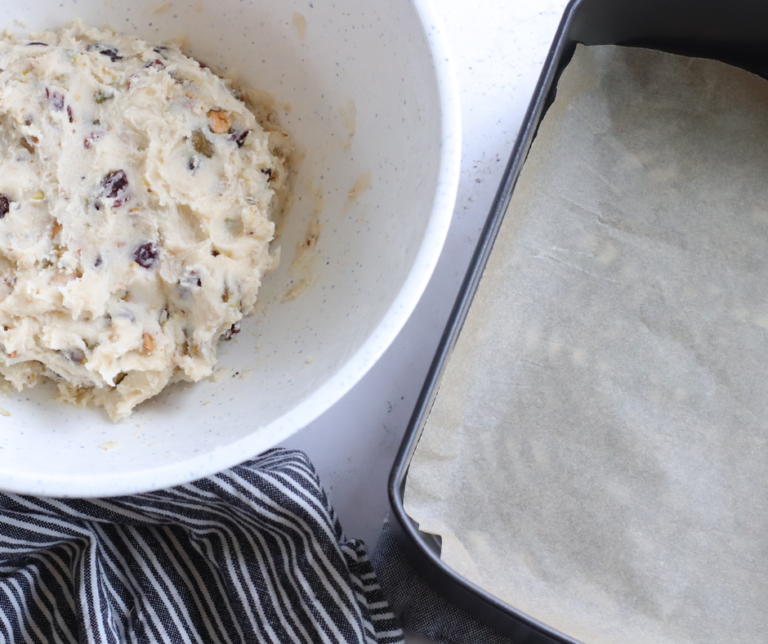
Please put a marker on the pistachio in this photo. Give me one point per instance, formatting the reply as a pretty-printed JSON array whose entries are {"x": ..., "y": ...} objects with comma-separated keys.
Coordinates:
[{"x": 201, "y": 144}]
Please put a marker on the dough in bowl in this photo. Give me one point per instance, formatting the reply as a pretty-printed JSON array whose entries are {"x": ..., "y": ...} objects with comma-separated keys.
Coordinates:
[{"x": 136, "y": 192}]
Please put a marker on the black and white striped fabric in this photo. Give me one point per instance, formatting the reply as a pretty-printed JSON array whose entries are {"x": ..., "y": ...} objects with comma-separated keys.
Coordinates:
[{"x": 254, "y": 554}]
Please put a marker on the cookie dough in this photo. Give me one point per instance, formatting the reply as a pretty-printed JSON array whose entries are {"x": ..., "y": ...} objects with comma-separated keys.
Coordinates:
[{"x": 136, "y": 189}]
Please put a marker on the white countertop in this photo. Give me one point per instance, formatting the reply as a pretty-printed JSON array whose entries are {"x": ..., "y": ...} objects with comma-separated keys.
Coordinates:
[{"x": 498, "y": 48}]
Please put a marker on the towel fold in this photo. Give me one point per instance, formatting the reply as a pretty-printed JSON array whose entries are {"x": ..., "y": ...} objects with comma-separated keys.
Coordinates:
[{"x": 254, "y": 554}]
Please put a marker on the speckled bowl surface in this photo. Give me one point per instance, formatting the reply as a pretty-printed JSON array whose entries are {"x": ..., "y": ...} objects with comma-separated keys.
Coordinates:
[{"x": 364, "y": 88}]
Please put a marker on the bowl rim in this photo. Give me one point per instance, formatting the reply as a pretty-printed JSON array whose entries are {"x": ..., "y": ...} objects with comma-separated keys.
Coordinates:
[{"x": 355, "y": 367}]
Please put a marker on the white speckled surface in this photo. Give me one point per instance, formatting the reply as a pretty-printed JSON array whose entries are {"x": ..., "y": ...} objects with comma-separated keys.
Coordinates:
[{"x": 498, "y": 47}]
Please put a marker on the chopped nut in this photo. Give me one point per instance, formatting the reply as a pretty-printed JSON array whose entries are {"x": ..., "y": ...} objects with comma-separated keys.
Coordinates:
[
  {"x": 39, "y": 194},
  {"x": 149, "y": 343},
  {"x": 220, "y": 121},
  {"x": 29, "y": 143},
  {"x": 201, "y": 144},
  {"x": 55, "y": 228},
  {"x": 119, "y": 378}
]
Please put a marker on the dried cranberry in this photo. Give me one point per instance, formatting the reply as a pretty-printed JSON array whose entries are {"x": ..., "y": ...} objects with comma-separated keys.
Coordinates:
[
  {"x": 190, "y": 279},
  {"x": 69, "y": 114},
  {"x": 56, "y": 98},
  {"x": 160, "y": 49},
  {"x": 146, "y": 255},
  {"x": 98, "y": 261},
  {"x": 155, "y": 64},
  {"x": 268, "y": 172},
  {"x": 231, "y": 332},
  {"x": 111, "y": 53},
  {"x": 76, "y": 355},
  {"x": 239, "y": 136},
  {"x": 42, "y": 44},
  {"x": 93, "y": 137},
  {"x": 5, "y": 206},
  {"x": 114, "y": 183},
  {"x": 115, "y": 186},
  {"x": 201, "y": 64}
]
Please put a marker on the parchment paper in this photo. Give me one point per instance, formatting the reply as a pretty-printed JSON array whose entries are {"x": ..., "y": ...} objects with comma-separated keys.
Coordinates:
[{"x": 597, "y": 455}]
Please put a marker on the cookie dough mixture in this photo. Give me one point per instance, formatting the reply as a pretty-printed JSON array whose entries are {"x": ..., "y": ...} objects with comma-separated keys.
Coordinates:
[{"x": 135, "y": 198}]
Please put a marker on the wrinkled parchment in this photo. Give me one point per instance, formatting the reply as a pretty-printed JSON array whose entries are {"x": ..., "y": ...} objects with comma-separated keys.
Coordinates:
[{"x": 597, "y": 455}]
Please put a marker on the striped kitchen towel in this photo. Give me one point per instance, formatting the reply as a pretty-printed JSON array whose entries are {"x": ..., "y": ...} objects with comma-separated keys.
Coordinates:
[{"x": 254, "y": 554}]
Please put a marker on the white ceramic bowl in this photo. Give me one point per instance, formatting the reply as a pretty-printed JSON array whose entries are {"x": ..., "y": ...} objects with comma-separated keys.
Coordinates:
[{"x": 374, "y": 108}]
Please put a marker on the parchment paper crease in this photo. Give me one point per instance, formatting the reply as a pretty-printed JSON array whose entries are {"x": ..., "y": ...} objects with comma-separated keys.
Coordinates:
[{"x": 597, "y": 455}]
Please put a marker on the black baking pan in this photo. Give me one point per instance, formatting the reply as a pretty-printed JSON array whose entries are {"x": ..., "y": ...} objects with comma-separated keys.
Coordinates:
[{"x": 733, "y": 31}]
